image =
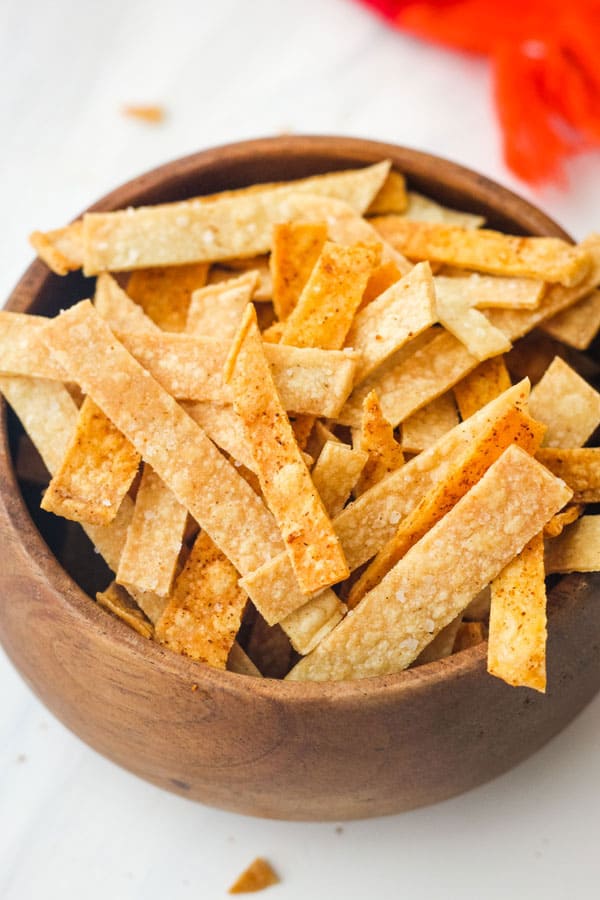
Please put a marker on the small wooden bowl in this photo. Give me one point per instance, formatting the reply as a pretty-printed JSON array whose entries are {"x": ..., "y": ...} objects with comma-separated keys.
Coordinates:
[{"x": 263, "y": 747}]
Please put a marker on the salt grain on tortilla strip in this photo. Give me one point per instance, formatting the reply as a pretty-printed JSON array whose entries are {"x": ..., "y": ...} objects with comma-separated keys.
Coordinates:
[
  {"x": 439, "y": 576},
  {"x": 487, "y": 381},
  {"x": 296, "y": 248},
  {"x": 578, "y": 325},
  {"x": 216, "y": 310},
  {"x": 427, "y": 425},
  {"x": 567, "y": 404},
  {"x": 61, "y": 249},
  {"x": 577, "y": 549},
  {"x": 377, "y": 440},
  {"x": 336, "y": 472},
  {"x": 423, "y": 209},
  {"x": 117, "y": 601},
  {"x": 579, "y": 467}
]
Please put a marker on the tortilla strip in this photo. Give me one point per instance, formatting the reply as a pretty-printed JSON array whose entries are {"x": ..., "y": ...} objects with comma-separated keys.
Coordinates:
[
  {"x": 224, "y": 427},
  {"x": 117, "y": 601},
  {"x": 310, "y": 623},
  {"x": 559, "y": 522},
  {"x": 61, "y": 249},
  {"x": 239, "y": 662},
  {"x": 117, "y": 307},
  {"x": 391, "y": 198},
  {"x": 296, "y": 248},
  {"x": 335, "y": 474},
  {"x": 308, "y": 534},
  {"x": 164, "y": 292},
  {"x": 165, "y": 436},
  {"x": 318, "y": 438},
  {"x": 217, "y": 310},
  {"x": 366, "y": 525},
  {"x": 195, "y": 231},
  {"x": 567, "y": 404},
  {"x": 442, "y": 645},
  {"x": 577, "y": 549},
  {"x": 258, "y": 264},
  {"x": 517, "y": 637},
  {"x": 546, "y": 259},
  {"x": 487, "y": 381},
  {"x": 456, "y": 313},
  {"x": 381, "y": 278},
  {"x": 496, "y": 292},
  {"x": 204, "y": 612},
  {"x": 403, "y": 311},
  {"x": 579, "y": 467},
  {"x": 377, "y": 440},
  {"x": 469, "y": 634},
  {"x": 427, "y": 425},
  {"x": 424, "y": 209},
  {"x": 578, "y": 325},
  {"x": 95, "y": 473}
]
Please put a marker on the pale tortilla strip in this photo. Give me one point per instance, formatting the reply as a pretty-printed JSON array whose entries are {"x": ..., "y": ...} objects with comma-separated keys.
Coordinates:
[
  {"x": 377, "y": 440},
  {"x": 224, "y": 427},
  {"x": 165, "y": 436},
  {"x": 325, "y": 310},
  {"x": 578, "y": 325},
  {"x": 577, "y": 549},
  {"x": 336, "y": 472},
  {"x": 258, "y": 876},
  {"x": 217, "y": 310},
  {"x": 579, "y": 467},
  {"x": 164, "y": 292},
  {"x": 295, "y": 251},
  {"x": 423, "y": 209},
  {"x": 117, "y": 601},
  {"x": 22, "y": 350},
  {"x": 239, "y": 662},
  {"x": 61, "y": 249},
  {"x": 194, "y": 231},
  {"x": 567, "y": 404},
  {"x": 117, "y": 307},
  {"x": 469, "y": 634},
  {"x": 308, "y": 534},
  {"x": 456, "y": 313},
  {"x": 427, "y": 425},
  {"x": 546, "y": 259},
  {"x": 259, "y": 264},
  {"x": 517, "y": 636},
  {"x": 307, "y": 625},
  {"x": 318, "y": 438},
  {"x": 204, "y": 612},
  {"x": 559, "y": 522},
  {"x": 495, "y": 292},
  {"x": 441, "y": 574},
  {"x": 367, "y": 524},
  {"x": 95, "y": 473},
  {"x": 391, "y": 198},
  {"x": 389, "y": 322},
  {"x": 488, "y": 380},
  {"x": 442, "y": 645}
]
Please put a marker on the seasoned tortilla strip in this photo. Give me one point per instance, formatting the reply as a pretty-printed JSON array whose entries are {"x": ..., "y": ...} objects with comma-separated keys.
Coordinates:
[
  {"x": 335, "y": 474},
  {"x": 517, "y": 638},
  {"x": 193, "y": 231},
  {"x": 427, "y": 425},
  {"x": 224, "y": 427},
  {"x": 487, "y": 381},
  {"x": 95, "y": 473},
  {"x": 308, "y": 534},
  {"x": 204, "y": 612},
  {"x": 310, "y": 623},
  {"x": 117, "y": 601},
  {"x": 547, "y": 259},
  {"x": 567, "y": 404},
  {"x": 578, "y": 325},
  {"x": 377, "y": 440},
  {"x": 381, "y": 278},
  {"x": 216, "y": 310},
  {"x": 456, "y": 313},
  {"x": 165, "y": 436},
  {"x": 579, "y": 467},
  {"x": 117, "y": 307},
  {"x": 296, "y": 248},
  {"x": 391, "y": 198},
  {"x": 239, "y": 662},
  {"x": 513, "y": 427},
  {"x": 399, "y": 314},
  {"x": 423, "y": 209},
  {"x": 577, "y": 549},
  {"x": 259, "y": 264},
  {"x": 61, "y": 249},
  {"x": 365, "y": 525},
  {"x": 441, "y": 574},
  {"x": 164, "y": 292},
  {"x": 330, "y": 298}
]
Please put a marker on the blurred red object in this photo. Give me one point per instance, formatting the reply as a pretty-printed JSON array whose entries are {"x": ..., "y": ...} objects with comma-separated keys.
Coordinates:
[{"x": 545, "y": 60}]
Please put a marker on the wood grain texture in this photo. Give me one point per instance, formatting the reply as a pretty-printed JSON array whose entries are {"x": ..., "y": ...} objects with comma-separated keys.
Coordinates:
[{"x": 295, "y": 751}]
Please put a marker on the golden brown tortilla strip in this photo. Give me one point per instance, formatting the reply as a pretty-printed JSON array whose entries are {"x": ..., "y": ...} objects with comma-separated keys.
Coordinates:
[
  {"x": 567, "y": 404},
  {"x": 469, "y": 634},
  {"x": 307, "y": 625},
  {"x": 239, "y": 662},
  {"x": 232, "y": 267},
  {"x": 577, "y": 549},
  {"x": 424, "y": 209},
  {"x": 391, "y": 198},
  {"x": 441, "y": 574},
  {"x": 336, "y": 472},
  {"x": 165, "y": 436},
  {"x": 204, "y": 612},
  {"x": 224, "y": 427},
  {"x": 427, "y": 425},
  {"x": 96, "y": 472},
  {"x": 165, "y": 292},
  {"x": 382, "y": 277},
  {"x": 559, "y": 522},
  {"x": 296, "y": 248},
  {"x": 389, "y": 322},
  {"x": 286, "y": 484},
  {"x": 579, "y": 467},
  {"x": 517, "y": 637},
  {"x": 117, "y": 601},
  {"x": 546, "y": 259},
  {"x": 258, "y": 876},
  {"x": 318, "y": 438},
  {"x": 61, "y": 249},
  {"x": 456, "y": 313},
  {"x": 117, "y": 307},
  {"x": 488, "y": 380},
  {"x": 217, "y": 310},
  {"x": 578, "y": 325},
  {"x": 377, "y": 440}
]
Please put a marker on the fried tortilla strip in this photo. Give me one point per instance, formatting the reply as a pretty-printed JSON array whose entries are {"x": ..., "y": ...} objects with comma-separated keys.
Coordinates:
[
  {"x": 258, "y": 876},
  {"x": 61, "y": 249},
  {"x": 117, "y": 307},
  {"x": 405, "y": 310},
  {"x": 95, "y": 473},
  {"x": 391, "y": 198},
  {"x": 467, "y": 469},
  {"x": 194, "y": 231},
  {"x": 239, "y": 662},
  {"x": 295, "y": 251},
  {"x": 442, "y": 645},
  {"x": 381, "y": 278},
  {"x": 546, "y": 259},
  {"x": 577, "y": 549},
  {"x": 204, "y": 612},
  {"x": 224, "y": 427},
  {"x": 469, "y": 634},
  {"x": 487, "y": 381},
  {"x": 336, "y": 472},
  {"x": 318, "y": 438},
  {"x": 308, "y": 534},
  {"x": 441, "y": 574},
  {"x": 367, "y": 524},
  {"x": 517, "y": 638},
  {"x": 456, "y": 313},
  {"x": 331, "y": 296},
  {"x": 154, "y": 539},
  {"x": 495, "y": 292},
  {"x": 259, "y": 264},
  {"x": 427, "y": 425},
  {"x": 117, "y": 601},
  {"x": 310, "y": 623},
  {"x": 578, "y": 325},
  {"x": 165, "y": 292},
  {"x": 567, "y": 404},
  {"x": 217, "y": 310},
  {"x": 579, "y": 467},
  {"x": 559, "y": 522},
  {"x": 165, "y": 437},
  {"x": 423, "y": 209},
  {"x": 377, "y": 440},
  {"x": 22, "y": 350}
]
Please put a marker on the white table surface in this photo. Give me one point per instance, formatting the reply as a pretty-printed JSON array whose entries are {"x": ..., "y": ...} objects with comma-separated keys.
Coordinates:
[{"x": 72, "y": 824}]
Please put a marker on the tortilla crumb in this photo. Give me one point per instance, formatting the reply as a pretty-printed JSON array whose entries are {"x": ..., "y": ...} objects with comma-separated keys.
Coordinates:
[
  {"x": 153, "y": 114},
  {"x": 258, "y": 876}
]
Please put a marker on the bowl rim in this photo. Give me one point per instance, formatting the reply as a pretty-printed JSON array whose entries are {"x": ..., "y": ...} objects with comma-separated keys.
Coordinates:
[{"x": 81, "y": 605}]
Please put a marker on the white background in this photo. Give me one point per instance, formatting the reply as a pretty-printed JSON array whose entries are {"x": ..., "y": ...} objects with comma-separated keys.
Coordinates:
[{"x": 71, "y": 824}]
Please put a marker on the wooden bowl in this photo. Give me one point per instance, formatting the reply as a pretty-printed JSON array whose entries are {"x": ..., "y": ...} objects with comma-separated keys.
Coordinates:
[{"x": 263, "y": 747}]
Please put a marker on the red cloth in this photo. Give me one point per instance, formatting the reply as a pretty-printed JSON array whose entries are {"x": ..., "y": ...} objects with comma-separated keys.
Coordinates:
[{"x": 545, "y": 56}]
